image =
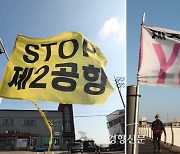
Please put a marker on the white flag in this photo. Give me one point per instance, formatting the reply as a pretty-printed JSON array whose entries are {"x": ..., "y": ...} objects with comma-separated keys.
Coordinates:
[{"x": 159, "y": 60}]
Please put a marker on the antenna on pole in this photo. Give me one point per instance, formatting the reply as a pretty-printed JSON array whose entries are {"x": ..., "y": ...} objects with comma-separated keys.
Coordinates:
[{"x": 3, "y": 50}]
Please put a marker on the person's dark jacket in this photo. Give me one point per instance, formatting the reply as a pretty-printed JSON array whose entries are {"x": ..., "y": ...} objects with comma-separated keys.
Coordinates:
[{"x": 157, "y": 124}]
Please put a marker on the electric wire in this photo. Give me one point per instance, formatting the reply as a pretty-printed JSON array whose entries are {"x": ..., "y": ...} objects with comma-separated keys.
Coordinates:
[
  {"x": 1, "y": 22},
  {"x": 83, "y": 116},
  {"x": 10, "y": 8}
]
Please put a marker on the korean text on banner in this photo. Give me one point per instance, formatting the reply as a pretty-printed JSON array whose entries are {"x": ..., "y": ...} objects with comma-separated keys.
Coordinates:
[
  {"x": 159, "y": 57},
  {"x": 66, "y": 68}
]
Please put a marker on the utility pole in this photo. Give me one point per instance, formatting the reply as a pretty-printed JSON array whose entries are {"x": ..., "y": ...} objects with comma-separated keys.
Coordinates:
[
  {"x": 120, "y": 83},
  {"x": 3, "y": 50}
]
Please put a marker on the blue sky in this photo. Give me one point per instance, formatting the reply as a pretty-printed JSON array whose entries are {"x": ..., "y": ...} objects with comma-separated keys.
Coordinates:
[
  {"x": 102, "y": 22},
  {"x": 165, "y": 14}
]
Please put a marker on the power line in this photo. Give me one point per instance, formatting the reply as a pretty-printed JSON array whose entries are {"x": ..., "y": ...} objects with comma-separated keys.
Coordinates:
[
  {"x": 8, "y": 11},
  {"x": 89, "y": 116},
  {"x": 1, "y": 20},
  {"x": 92, "y": 116},
  {"x": 94, "y": 112}
]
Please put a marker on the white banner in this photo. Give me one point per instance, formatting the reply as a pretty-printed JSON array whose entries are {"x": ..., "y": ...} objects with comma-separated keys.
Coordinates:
[
  {"x": 21, "y": 143},
  {"x": 159, "y": 60}
]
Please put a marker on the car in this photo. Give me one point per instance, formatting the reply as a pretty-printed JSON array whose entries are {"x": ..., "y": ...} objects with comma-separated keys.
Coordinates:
[
  {"x": 75, "y": 147},
  {"x": 89, "y": 146},
  {"x": 40, "y": 149}
]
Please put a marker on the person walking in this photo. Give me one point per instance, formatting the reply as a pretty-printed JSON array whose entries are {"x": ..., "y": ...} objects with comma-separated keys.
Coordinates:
[{"x": 158, "y": 129}]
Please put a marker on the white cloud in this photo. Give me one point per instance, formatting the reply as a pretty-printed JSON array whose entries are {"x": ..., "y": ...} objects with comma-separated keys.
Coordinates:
[{"x": 113, "y": 28}]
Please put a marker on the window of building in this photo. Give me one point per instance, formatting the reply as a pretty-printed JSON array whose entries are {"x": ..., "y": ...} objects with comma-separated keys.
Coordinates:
[
  {"x": 46, "y": 141},
  {"x": 29, "y": 122},
  {"x": 8, "y": 122},
  {"x": 108, "y": 125},
  {"x": 10, "y": 141},
  {"x": 56, "y": 140},
  {"x": 33, "y": 141},
  {"x": 67, "y": 127},
  {"x": 66, "y": 110},
  {"x": 67, "y": 120}
]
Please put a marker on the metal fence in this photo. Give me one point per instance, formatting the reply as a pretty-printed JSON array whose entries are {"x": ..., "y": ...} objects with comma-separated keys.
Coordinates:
[{"x": 172, "y": 134}]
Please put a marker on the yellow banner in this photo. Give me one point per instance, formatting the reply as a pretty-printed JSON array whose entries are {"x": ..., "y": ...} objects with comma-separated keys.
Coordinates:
[{"x": 66, "y": 68}]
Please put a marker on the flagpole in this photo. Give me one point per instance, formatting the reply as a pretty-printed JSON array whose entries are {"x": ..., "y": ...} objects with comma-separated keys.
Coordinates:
[
  {"x": 143, "y": 18},
  {"x": 132, "y": 113},
  {"x": 135, "y": 150},
  {"x": 3, "y": 48},
  {"x": 137, "y": 101}
]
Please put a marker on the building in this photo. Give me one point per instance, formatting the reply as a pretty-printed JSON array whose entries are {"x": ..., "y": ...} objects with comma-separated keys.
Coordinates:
[
  {"x": 26, "y": 129},
  {"x": 116, "y": 122},
  {"x": 143, "y": 122},
  {"x": 176, "y": 122}
]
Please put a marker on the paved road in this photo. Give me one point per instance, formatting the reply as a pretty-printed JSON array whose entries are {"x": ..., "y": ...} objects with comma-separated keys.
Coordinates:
[{"x": 148, "y": 148}]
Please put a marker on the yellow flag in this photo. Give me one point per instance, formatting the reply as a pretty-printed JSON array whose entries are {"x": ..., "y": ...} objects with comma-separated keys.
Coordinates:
[
  {"x": 66, "y": 68},
  {"x": 47, "y": 124}
]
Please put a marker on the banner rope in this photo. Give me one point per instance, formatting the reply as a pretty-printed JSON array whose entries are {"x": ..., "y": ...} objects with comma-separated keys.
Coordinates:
[{"x": 47, "y": 124}]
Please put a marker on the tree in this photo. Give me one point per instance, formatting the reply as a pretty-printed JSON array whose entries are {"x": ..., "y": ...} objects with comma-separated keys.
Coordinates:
[{"x": 83, "y": 136}]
